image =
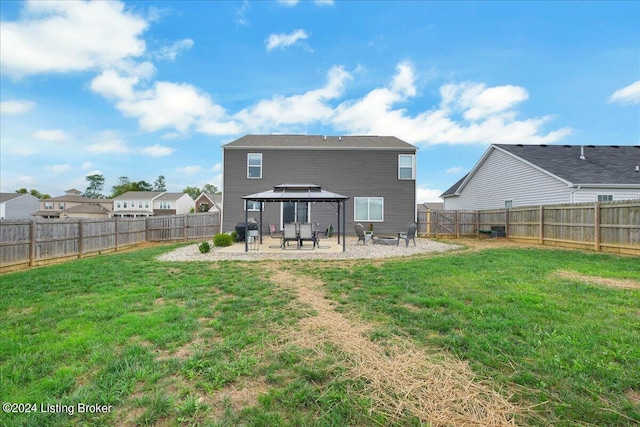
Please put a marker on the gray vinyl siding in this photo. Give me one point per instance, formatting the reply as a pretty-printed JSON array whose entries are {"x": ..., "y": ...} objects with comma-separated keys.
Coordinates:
[
  {"x": 353, "y": 173},
  {"x": 21, "y": 207},
  {"x": 502, "y": 177},
  {"x": 591, "y": 194}
]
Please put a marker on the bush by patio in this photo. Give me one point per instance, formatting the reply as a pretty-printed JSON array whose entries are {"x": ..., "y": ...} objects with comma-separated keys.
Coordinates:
[{"x": 222, "y": 239}]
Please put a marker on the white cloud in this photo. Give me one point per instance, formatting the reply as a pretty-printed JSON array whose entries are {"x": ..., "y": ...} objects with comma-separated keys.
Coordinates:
[
  {"x": 288, "y": 3},
  {"x": 170, "y": 53},
  {"x": 157, "y": 150},
  {"x": 241, "y": 13},
  {"x": 59, "y": 168},
  {"x": 18, "y": 106},
  {"x": 86, "y": 165},
  {"x": 424, "y": 194},
  {"x": 627, "y": 95},
  {"x": 325, "y": 2},
  {"x": 217, "y": 167},
  {"x": 70, "y": 36},
  {"x": 285, "y": 40},
  {"x": 189, "y": 170},
  {"x": 94, "y": 172},
  {"x": 51, "y": 135},
  {"x": 455, "y": 169},
  {"x": 109, "y": 142},
  {"x": 297, "y": 109}
]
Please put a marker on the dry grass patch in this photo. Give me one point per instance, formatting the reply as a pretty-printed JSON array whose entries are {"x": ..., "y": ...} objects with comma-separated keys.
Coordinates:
[
  {"x": 400, "y": 378},
  {"x": 602, "y": 281}
]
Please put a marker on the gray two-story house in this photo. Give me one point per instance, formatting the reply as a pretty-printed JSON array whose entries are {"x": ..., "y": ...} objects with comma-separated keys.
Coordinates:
[{"x": 376, "y": 173}]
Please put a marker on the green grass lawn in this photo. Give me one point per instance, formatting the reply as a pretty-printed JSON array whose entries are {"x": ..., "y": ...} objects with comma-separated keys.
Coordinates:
[{"x": 162, "y": 342}]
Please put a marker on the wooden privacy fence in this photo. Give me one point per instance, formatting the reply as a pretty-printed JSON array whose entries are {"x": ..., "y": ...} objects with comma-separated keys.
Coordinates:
[
  {"x": 610, "y": 226},
  {"x": 39, "y": 241}
]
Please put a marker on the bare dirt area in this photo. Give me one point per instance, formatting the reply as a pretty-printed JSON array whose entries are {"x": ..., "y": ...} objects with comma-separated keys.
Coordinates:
[
  {"x": 401, "y": 378},
  {"x": 601, "y": 281}
]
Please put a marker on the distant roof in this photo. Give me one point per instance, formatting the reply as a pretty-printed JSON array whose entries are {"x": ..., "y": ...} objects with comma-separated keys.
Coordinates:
[
  {"x": 320, "y": 142},
  {"x": 434, "y": 206},
  {"x": 87, "y": 208},
  {"x": 602, "y": 164},
  {"x": 5, "y": 197},
  {"x": 171, "y": 196},
  {"x": 215, "y": 198},
  {"x": 76, "y": 199},
  {"x": 129, "y": 195}
]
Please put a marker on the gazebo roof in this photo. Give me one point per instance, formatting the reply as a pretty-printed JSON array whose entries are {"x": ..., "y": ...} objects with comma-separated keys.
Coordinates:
[{"x": 296, "y": 193}]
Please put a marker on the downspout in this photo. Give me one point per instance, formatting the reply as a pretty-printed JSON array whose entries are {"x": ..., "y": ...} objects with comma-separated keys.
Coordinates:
[{"x": 576, "y": 188}]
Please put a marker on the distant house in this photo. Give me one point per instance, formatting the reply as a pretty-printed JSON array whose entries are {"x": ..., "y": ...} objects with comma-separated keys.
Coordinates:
[
  {"x": 376, "y": 173},
  {"x": 17, "y": 205},
  {"x": 429, "y": 206},
  {"x": 525, "y": 175},
  {"x": 72, "y": 205},
  {"x": 150, "y": 203},
  {"x": 207, "y": 202}
]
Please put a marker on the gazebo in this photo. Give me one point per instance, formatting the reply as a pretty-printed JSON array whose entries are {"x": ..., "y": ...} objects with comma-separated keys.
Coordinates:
[{"x": 297, "y": 193}]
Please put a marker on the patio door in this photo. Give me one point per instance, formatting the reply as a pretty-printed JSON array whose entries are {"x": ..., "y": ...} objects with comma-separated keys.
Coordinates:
[{"x": 295, "y": 212}]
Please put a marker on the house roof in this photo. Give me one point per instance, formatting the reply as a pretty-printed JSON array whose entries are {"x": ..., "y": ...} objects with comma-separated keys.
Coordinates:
[
  {"x": 138, "y": 195},
  {"x": 213, "y": 198},
  {"x": 602, "y": 165},
  {"x": 320, "y": 142},
  {"x": 76, "y": 199},
  {"x": 434, "y": 206},
  {"x": 171, "y": 196},
  {"x": 5, "y": 197},
  {"x": 87, "y": 208}
]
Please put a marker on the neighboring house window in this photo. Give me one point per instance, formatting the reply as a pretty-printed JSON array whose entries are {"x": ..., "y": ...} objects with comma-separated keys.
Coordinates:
[
  {"x": 508, "y": 204},
  {"x": 251, "y": 205},
  {"x": 48, "y": 205},
  {"x": 124, "y": 204},
  {"x": 406, "y": 166},
  {"x": 254, "y": 165},
  {"x": 146, "y": 205},
  {"x": 139, "y": 205},
  {"x": 605, "y": 197},
  {"x": 118, "y": 205},
  {"x": 61, "y": 205},
  {"x": 368, "y": 209},
  {"x": 165, "y": 205}
]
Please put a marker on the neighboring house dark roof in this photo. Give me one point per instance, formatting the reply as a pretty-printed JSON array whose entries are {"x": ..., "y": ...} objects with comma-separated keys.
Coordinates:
[
  {"x": 47, "y": 213},
  {"x": 138, "y": 195},
  {"x": 319, "y": 142},
  {"x": 434, "y": 206},
  {"x": 602, "y": 164},
  {"x": 5, "y": 197}
]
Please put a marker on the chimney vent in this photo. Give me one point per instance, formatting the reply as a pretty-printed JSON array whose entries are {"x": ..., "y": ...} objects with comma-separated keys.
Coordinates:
[
  {"x": 582, "y": 157},
  {"x": 340, "y": 138},
  {"x": 638, "y": 168}
]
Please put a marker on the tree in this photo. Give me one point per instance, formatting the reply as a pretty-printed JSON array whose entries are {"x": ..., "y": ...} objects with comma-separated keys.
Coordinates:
[
  {"x": 94, "y": 189},
  {"x": 194, "y": 192},
  {"x": 210, "y": 189},
  {"x": 34, "y": 193},
  {"x": 159, "y": 184},
  {"x": 125, "y": 185}
]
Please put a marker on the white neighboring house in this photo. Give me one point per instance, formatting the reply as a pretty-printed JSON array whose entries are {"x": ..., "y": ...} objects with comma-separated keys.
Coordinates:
[
  {"x": 528, "y": 175},
  {"x": 18, "y": 205},
  {"x": 150, "y": 203}
]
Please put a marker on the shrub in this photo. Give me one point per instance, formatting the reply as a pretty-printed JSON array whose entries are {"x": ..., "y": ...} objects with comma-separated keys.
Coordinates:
[
  {"x": 234, "y": 235},
  {"x": 204, "y": 247},
  {"x": 223, "y": 239}
]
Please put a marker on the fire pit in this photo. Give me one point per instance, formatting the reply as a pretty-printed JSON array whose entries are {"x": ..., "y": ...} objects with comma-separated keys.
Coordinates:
[{"x": 385, "y": 240}]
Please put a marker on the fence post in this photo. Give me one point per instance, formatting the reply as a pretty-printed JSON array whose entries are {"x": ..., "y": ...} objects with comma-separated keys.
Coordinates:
[
  {"x": 506, "y": 222},
  {"x": 541, "y": 226},
  {"x": 80, "y": 237},
  {"x": 185, "y": 230},
  {"x": 32, "y": 243},
  {"x": 146, "y": 230},
  {"x": 116, "y": 229},
  {"x": 477, "y": 216},
  {"x": 457, "y": 224},
  {"x": 596, "y": 226}
]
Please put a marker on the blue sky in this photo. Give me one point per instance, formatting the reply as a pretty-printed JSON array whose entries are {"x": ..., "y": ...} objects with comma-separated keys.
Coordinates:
[{"x": 142, "y": 89}]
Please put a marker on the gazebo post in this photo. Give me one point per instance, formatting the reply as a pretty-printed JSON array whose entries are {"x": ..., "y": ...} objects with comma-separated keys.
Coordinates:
[
  {"x": 344, "y": 226},
  {"x": 246, "y": 227},
  {"x": 338, "y": 222},
  {"x": 260, "y": 226}
]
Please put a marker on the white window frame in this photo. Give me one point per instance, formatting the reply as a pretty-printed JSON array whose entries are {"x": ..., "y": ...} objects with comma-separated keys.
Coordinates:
[
  {"x": 601, "y": 198},
  {"x": 253, "y": 209},
  {"x": 118, "y": 204},
  {"x": 165, "y": 204},
  {"x": 413, "y": 166},
  {"x": 48, "y": 206},
  {"x": 249, "y": 166},
  {"x": 368, "y": 219},
  {"x": 508, "y": 203},
  {"x": 146, "y": 205}
]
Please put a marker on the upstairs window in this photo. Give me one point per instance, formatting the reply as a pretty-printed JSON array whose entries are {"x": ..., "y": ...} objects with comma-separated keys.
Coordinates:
[
  {"x": 254, "y": 165},
  {"x": 406, "y": 166},
  {"x": 61, "y": 205},
  {"x": 165, "y": 205},
  {"x": 48, "y": 205},
  {"x": 605, "y": 197}
]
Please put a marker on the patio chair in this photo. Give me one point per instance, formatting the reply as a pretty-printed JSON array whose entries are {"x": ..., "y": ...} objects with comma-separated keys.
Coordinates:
[
  {"x": 361, "y": 234},
  {"x": 274, "y": 233},
  {"x": 289, "y": 235},
  {"x": 409, "y": 235},
  {"x": 306, "y": 234}
]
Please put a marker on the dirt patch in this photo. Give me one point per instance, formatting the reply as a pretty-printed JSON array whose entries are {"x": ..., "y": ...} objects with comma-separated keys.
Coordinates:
[
  {"x": 633, "y": 395},
  {"x": 594, "y": 280},
  {"x": 401, "y": 378}
]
